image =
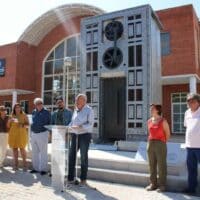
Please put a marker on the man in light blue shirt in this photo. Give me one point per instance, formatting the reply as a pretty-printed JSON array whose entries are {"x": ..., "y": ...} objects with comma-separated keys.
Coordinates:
[{"x": 81, "y": 126}]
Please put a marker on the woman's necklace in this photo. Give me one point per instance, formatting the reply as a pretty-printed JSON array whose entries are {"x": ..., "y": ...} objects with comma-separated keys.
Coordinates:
[{"x": 155, "y": 120}]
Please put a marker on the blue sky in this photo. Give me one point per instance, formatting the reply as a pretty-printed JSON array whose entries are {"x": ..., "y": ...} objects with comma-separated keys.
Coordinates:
[{"x": 16, "y": 16}]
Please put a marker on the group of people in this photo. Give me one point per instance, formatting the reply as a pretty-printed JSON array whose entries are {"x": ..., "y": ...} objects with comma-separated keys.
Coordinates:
[
  {"x": 16, "y": 125},
  {"x": 13, "y": 131},
  {"x": 81, "y": 124},
  {"x": 159, "y": 134}
]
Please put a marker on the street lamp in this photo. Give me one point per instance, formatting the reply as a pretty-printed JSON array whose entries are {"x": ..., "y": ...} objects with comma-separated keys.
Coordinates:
[
  {"x": 67, "y": 61},
  {"x": 67, "y": 64}
]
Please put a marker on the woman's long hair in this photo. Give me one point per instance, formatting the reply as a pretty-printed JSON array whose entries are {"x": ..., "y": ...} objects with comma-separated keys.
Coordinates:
[
  {"x": 2, "y": 108},
  {"x": 13, "y": 111},
  {"x": 158, "y": 108}
]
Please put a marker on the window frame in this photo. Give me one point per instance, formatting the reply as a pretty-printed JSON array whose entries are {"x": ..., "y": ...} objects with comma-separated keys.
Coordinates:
[
  {"x": 23, "y": 105},
  {"x": 64, "y": 75},
  {"x": 163, "y": 43},
  {"x": 8, "y": 108},
  {"x": 181, "y": 130}
]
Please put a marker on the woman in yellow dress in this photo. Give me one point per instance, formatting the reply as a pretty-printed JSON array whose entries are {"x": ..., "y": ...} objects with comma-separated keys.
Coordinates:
[{"x": 18, "y": 135}]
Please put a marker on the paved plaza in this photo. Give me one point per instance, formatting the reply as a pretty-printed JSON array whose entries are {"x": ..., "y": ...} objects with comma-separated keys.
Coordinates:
[{"x": 19, "y": 185}]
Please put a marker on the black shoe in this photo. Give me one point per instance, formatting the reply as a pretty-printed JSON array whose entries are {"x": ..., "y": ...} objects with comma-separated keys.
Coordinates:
[
  {"x": 73, "y": 182},
  {"x": 76, "y": 182},
  {"x": 33, "y": 171},
  {"x": 43, "y": 173},
  {"x": 189, "y": 191}
]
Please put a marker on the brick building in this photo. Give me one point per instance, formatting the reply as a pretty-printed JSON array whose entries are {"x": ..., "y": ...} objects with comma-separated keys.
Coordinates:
[
  {"x": 180, "y": 61},
  {"x": 35, "y": 65}
]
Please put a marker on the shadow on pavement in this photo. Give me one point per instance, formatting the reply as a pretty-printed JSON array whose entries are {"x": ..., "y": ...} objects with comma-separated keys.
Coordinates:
[
  {"x": 24, "y": 178},
  {"x": 87, "y": 193},
  {"x": 7, "y": 175},
  {"x": 172, "y": 195},
  {"x": 66, "y": 195}
]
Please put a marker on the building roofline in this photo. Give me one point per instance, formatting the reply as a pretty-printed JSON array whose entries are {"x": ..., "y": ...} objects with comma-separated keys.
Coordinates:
[
  {"x": 37, "y": 30},
  {"x": 153, "y": 14},
  {"x": 182, "y": 6},
  {"x": 5, "y": 92},
  {"x": 178, "y": 79},
  {"x": 175, "y": 7}
]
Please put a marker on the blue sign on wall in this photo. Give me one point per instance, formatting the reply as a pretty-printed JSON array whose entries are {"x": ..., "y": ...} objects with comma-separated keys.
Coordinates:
[{"x": 2, "y": 66}]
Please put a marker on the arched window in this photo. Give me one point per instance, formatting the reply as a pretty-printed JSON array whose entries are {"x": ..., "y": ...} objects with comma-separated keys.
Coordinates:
[{"x": 60, "y": 79}]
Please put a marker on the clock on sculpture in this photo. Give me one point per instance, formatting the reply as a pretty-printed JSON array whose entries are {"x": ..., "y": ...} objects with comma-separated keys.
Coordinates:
[{"x": 113, "y": 56}]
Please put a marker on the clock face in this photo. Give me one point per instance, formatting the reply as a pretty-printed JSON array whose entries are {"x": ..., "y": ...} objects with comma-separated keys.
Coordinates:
[
  {"x": 114, "y": 30},
  {"x": 112, "y": 57}
]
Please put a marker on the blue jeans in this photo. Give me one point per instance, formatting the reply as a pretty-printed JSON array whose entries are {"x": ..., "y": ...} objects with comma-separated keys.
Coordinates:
[
  {"x": 83, "y": 145},
  {"x": 193, "y": 157}
]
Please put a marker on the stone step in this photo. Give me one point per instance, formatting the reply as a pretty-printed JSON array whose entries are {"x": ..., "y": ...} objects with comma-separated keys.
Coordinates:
[
  {"x": 119, "y": 167},
  {"x": 129, "y": 173},
  {"x": 115, "y": 175},
  {"x": 174, "y": 183},
  {"x": 113, "y": 160},
  {"x": 130, "y": 166}
]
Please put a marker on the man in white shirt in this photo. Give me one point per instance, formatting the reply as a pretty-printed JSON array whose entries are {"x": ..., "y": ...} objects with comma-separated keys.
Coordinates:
[
  {"x": 192, "y": 140},
  {"x": 81, "y": 128}
]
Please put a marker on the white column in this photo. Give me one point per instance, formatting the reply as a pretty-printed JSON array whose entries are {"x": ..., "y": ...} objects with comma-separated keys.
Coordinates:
[
  {"x": 193, "y": 84},
  {"x": 14, "y": 98}
]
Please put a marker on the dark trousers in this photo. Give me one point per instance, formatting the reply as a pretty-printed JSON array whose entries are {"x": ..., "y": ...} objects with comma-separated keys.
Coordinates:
[
  {"x": 157, "y": 156},
  {"x": 193, "y": 157},
  {"x": 83, "y": 145}
]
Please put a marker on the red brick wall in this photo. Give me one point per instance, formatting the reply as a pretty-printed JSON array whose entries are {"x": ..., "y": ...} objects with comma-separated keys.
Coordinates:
[
  {"x": 9, "y": 52},
  {"x": 20, "y": 71},
  {"x": 179, "y": 22},
  {"x": 167, "y": 90},
  {"x": 25, "y": 76},
  {"x": 197, "y": 43}
]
